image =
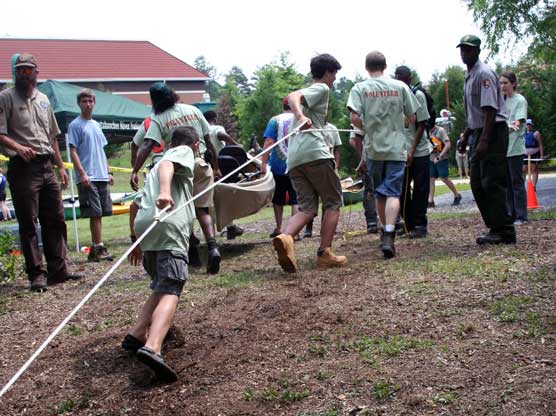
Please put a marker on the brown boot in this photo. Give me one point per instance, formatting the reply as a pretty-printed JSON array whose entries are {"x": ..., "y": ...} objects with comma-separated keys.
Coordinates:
[
  {"x": 388, "y": 248},
  {"x": 328, "y": 260},
  {"x": 283, "y": 244}
]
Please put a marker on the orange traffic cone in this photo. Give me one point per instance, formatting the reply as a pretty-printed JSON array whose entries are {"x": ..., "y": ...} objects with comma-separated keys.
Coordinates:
[{"x": 532, "y": 202}]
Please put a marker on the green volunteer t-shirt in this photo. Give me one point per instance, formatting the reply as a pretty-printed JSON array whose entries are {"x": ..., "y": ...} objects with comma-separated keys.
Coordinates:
[
  {"x": 213, "y": 135},
  {"x": 163, "y": 124},
  {"x": 517, "y": 107},
  {"x": 382, "y": 102},
  {"x": 172, "y": 234},
  {"x": 423, "y": 146},
  {"x": 307, "y": 147}
]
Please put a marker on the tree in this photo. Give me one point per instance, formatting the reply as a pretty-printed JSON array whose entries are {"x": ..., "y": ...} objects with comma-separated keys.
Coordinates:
[
  {"x": 213, "y": 87},
  {"x": 507, "y": 22},
  {"x": 239, "y": 79}
]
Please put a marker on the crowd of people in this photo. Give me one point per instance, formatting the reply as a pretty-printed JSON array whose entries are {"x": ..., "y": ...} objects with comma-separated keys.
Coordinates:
[{"x": 401, "y": 150}]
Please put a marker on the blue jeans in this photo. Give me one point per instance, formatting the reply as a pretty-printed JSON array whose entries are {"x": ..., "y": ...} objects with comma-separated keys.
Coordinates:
[{"x": 387, "y": 177}]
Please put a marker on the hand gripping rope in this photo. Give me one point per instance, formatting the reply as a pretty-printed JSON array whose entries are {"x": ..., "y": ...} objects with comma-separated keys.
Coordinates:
[{"x": 157, "y": 219}]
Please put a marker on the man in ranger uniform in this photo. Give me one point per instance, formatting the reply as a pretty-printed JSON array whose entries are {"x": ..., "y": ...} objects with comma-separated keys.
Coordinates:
[
  {"x": 487, "y": 125},
  {"x": 378, "y": 106}
]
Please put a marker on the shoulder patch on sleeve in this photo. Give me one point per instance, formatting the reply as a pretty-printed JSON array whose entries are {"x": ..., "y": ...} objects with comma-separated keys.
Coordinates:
[{"x": 486, "y": 83}]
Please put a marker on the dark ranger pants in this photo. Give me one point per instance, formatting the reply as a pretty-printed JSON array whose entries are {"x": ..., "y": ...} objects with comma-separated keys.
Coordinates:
[
  {"x": 517, "y": 197},
  {"x": 489, "y": 179},
  {"x": 36, "y": 194},
  {"x": 415, "y": 194},
  {"x": 369, "y": 204}
]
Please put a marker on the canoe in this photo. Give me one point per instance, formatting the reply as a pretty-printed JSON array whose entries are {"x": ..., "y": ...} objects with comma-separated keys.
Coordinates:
[{"x": 352, "y": 192}]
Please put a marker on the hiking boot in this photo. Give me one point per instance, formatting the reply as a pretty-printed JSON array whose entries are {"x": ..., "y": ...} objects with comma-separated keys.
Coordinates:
[
  {"x": 233, "y": 231},
  {"x": 194, "y": 256},
  {"x": 417, "y": 232},
  {"x": 308, "y": 232},
  {"x": 457, "y": 200},
  {"x": 328, "y": 260},
  {"x": 275, "y": 233},
  {"x": 497, "y": 238},
  {"x": 56, "y": 279},
  {"x": 388, "y": 248},
  {"x": 283, "y": 244},
  {"x": 213, "y": 260},
  {"x": 38, "y": 283},
  {"x": 98, "y": 253},
  {"x": 372, "y": 228}
]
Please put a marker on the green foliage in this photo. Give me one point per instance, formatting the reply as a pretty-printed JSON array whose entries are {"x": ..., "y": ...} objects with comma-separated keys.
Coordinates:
[
  {"x": 382, "y": 390},
  {"x": 446, "y": 398},
  {"x": 213, "y": 87},
  {"x": 113, "y": 149},
  {"x": 538, "y": 84},
  {"x": 509, "y": 308},
  {"x": 506, "y": 23},
  {"x": 9, "y": 258}
]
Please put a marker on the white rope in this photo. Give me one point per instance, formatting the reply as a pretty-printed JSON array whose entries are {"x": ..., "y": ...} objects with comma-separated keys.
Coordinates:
[{"x": 157, "y": 219}]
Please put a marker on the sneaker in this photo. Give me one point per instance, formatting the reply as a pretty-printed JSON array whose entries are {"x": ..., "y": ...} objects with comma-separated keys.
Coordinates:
[
  {"x": 417, "y": 232},
  {"x": 213, "y": 261},
  {"x": 328, "y": 260},
  {"x": 308, "y": 232},
  {"x": 372, "y": 228},
  {"x": 233, "y": 231},
  {"x": 457, "y": 200},
  {"x": 275, "y": 233},
  {"x": 283, "y": 244},
  {"x": 155, "y": 361},
  {"x": 99, "y": 253},
  {"x": 388, "y": 248},
  {"x": 520, "y": 222},
  {"x": 430, "y": 204},
  {"x": 38, "y": 284}
]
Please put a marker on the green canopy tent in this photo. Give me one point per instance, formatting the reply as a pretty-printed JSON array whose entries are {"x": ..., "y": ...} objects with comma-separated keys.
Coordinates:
[{"x": 119, "y": 117}]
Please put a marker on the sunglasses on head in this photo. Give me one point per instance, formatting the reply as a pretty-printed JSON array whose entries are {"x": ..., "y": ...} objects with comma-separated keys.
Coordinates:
[{"x": 26, "y": 70}]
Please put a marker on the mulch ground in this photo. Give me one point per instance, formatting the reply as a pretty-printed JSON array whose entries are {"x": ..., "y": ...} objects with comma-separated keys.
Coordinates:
[{"x": 446, "y": 328}]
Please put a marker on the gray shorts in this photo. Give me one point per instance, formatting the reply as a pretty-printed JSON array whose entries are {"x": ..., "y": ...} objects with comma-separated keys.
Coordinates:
[
  {"x": 168, "y": 271},
  {"x": 314, "y": 179},
  {"x": 95, "y": 200}
]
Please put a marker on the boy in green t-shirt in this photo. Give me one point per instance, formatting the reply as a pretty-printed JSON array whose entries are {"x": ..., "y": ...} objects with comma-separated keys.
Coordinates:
[
  {"x": 164, "y": 250},
  {"x": 378, "y": 106},
  {"x": 311, "y": 168}
]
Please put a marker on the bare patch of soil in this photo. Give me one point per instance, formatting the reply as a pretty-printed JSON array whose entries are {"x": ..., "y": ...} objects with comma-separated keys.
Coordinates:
[{"x": 447, "y": 327}]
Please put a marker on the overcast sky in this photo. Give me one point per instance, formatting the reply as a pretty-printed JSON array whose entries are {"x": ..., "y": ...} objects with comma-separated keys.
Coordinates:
[{"x": 421, "y": 34}]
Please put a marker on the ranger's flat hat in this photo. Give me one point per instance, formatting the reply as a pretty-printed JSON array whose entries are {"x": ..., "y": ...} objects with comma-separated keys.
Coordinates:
[{"x": 470, "y": 40}]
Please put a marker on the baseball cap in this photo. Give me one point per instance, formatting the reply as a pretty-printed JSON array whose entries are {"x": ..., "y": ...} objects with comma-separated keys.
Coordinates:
[
  {"x": 529, "y": 121},
  {"x": 25, "y": 59},
  {"x": 470, "y": 40},
  {"x": 402, "y": 71}
]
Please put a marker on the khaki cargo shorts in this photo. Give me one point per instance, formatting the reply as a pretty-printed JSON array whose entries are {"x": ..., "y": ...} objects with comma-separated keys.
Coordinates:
[
  {"x": 203, "y": 178},
  {"x": 317, "y": 179}
]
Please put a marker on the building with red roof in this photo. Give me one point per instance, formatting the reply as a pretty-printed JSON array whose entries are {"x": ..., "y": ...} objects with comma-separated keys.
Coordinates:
[{"x": 125, "y": 68}]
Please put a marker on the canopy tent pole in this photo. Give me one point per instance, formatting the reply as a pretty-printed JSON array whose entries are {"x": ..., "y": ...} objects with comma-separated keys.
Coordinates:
[{"x": 72, "y": 195}]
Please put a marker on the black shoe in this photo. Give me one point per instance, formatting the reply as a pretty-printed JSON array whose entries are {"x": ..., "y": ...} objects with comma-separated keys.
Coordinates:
[
  {"x": 193, "y": 256},
  {"x": 372, "y": 228},
  {"x": 457, "y": 200},
  {"x": 417, "y": 232},
  {"x": 233, "y": 231},
  {"x": 213, "y": 262},
  {"x": 388, "y": 248},
  {"x": 130, "y": 343},
  {"x": 430, "y": 204},
  {"x": 275, "y": 233},
  {"x": 38, "y": 284},
  {"x": 308, "y": 232},
  {"x": 497, "y": 238},
  {"x": 54, "y": 280},
  {"x": 155, "y": 361}
]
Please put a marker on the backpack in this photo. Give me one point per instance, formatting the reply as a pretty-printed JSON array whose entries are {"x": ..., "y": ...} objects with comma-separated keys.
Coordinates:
[
  {"x": 430, "y": 108},
  {"x": 437, "y": 144}
]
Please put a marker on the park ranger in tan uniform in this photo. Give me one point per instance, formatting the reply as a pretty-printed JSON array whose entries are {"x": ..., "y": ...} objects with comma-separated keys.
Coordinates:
[{"x": 28, "y": 133}]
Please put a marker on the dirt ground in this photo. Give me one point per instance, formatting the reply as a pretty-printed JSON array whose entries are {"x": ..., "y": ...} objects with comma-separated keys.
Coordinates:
[{"x": 446, "y": 328}]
